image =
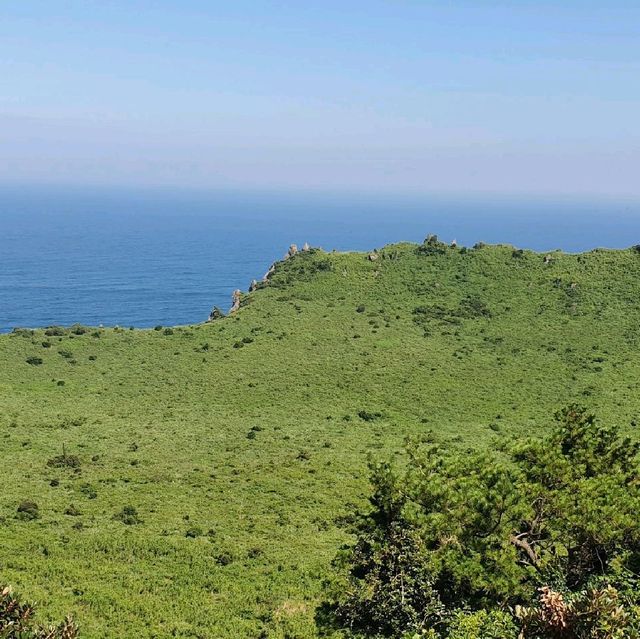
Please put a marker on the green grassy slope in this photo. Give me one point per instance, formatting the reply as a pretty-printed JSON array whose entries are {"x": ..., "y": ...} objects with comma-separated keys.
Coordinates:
[{"x": 259, "y": 445}]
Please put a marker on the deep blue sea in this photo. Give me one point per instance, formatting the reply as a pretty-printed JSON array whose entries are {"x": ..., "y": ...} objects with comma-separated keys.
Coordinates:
[{"x": 144, "y": 258}]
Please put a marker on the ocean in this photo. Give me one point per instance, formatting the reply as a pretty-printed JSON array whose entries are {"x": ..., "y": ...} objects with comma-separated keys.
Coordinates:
[{"x": 157, "y": 257}]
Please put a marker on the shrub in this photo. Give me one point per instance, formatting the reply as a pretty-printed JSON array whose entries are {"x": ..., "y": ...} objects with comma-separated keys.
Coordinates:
[
  {"x": 432, "y": 246},
  {"x": 224, "y": 559},
  {"x": 596, "y": 613},
  {"x": 23, "y": 332},
  {"x": 168, "y": 331},
  {"x": 473, "y": 307},
  {"x": 64, "y": 460},
  {"x": 128, "y": 515},
  {"x": 55, "y": 331},
  {"x": 361, "y": 308},
  {"x": 27, "y": 511},
  {"x": 369, "y": 417},
  {"x": 78, "y": 329},
  {"x": 89, "y": 491},
  {"x": 34, "y": 361},
  {"x": 72, "y": 511},
  {"x": 193, "y": 532},
  {"x": 73, "y": 422},
  {"x": 482, "y": 624},
  {"x": 17, "y": 621}
]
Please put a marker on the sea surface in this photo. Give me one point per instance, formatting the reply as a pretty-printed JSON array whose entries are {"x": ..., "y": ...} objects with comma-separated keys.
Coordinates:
[{"x": 145, "y": 258}]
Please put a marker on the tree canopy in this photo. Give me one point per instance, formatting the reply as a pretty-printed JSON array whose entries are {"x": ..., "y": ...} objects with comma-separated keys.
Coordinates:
[{"x": 541, "y": 539}]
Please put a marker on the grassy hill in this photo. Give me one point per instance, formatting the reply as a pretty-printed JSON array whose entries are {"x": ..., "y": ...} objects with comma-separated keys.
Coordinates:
[{"x": 241, "y": 444}]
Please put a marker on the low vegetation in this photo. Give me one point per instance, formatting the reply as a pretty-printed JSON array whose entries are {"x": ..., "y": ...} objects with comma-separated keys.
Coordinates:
[{"x": 198, "y": 481}]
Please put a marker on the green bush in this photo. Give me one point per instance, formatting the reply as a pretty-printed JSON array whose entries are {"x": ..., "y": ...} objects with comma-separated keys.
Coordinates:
[
  {"x": 78, "y": 329},
  {"x": 431, "y": 246},
  {"x": 64, "y": 461},
  {"x": 88, "y": 490},
  {"x": 34, "y": 361},
  {"x": 128, "y": 516},
  {"x": 224, "y": 559},
  {"x": 368, "y": 416},
  {"x": 55, "y": 331},
  {"x": 482, "y": 624},
  {"x": 27, "y": 511},
  {"x": 72, "y": 511}
]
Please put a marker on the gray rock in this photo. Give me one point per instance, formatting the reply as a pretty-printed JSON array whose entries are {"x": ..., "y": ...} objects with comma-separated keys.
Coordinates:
[
  {"x": 269, "y": 273},
  {"x": 293, "y": 249},
  {"x": 215, "y": 314},
  {"x": 235, "y": 299}
]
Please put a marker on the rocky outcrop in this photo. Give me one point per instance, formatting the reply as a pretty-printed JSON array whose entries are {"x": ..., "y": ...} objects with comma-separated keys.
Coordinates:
[
  {"x": 215, "y": 314},
  {"x": 293, "y": 250},
  {"x": 236, "y": 296},
  {"x": 269, "y": 273},
  {"x": 235, "y": 299},
  {"x": 372, "y": 257}
]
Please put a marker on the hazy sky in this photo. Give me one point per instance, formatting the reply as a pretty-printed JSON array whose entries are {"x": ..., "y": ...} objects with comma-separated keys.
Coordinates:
[{"x": 416, "y": 96}]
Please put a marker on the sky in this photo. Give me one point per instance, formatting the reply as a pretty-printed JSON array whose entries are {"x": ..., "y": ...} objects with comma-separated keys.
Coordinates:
[{"x": 405, "y": 96}]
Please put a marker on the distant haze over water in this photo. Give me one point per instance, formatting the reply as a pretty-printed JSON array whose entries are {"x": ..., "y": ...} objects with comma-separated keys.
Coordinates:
[{"x": 146, "y": 258}]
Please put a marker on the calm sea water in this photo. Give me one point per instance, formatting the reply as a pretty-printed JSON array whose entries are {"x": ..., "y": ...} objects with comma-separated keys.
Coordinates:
[{"x": 147, "y": 258}]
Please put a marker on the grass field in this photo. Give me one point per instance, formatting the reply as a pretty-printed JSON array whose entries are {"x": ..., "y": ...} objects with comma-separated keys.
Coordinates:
[{"x": 242, "y": 443}]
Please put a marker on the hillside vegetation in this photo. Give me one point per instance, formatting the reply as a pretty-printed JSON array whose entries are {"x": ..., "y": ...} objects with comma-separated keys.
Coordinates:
[{"x": 194, "y": 481}]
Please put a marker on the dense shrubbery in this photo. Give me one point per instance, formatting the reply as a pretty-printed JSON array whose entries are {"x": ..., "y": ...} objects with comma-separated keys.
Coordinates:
[
  {"x": 55, "y": 331},
  {"x": 64, "y": 461},
  {"x": 543, "y": 540},
  {"x": 16, "y": 621},
  {"x": 27, "y": 511},
  {"x": 128, "y": 515},
  {"x": 431, "y": 246}
]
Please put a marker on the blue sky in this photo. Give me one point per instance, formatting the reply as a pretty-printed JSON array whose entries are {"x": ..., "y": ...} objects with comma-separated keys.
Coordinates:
[{"x": 461, "y": 97}]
